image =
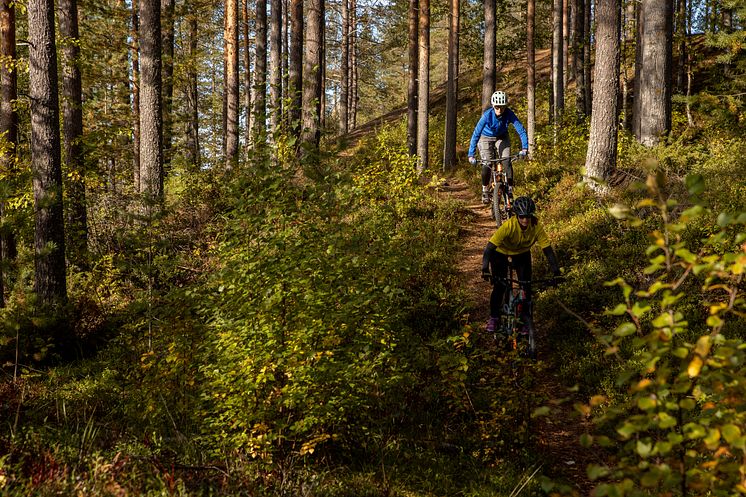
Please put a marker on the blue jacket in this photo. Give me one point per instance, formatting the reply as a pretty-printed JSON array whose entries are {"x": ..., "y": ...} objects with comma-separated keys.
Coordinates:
[{"x": 493, "y": 126}]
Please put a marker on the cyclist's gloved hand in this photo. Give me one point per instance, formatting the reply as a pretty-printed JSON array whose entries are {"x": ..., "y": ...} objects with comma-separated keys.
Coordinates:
[
  {"x": 557, "y": 279},
  {"x": 523, "y": 153},
  {"x": 472, "y": 160},
  {"x": 486, "y": 276}
]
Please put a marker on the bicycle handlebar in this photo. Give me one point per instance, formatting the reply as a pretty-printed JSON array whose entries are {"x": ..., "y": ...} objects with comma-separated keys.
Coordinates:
[
  {"x": 512, "y": 157},
  {"x": 541, "y": 281}
]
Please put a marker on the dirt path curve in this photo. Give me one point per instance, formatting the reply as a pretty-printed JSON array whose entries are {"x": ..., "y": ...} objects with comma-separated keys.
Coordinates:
[{"x": 556, "y": 435}]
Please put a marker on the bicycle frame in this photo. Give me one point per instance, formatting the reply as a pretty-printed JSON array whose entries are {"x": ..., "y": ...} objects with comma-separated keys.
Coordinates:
[
  {"x": 499, "y": 198},
  {"x": 517, "y": 321}
]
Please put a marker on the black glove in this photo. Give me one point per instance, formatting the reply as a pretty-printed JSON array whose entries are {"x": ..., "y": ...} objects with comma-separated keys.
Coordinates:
[
  {"x": 558, "y": 278},
  {"x": 486, "y": 276}
]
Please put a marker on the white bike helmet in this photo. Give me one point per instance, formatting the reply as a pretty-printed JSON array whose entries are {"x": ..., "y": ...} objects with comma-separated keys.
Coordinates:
[{"x": 499, "y": 98}]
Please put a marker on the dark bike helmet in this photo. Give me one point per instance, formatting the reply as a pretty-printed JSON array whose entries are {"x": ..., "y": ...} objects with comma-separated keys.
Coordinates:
[{"x": 524, "y": 206}]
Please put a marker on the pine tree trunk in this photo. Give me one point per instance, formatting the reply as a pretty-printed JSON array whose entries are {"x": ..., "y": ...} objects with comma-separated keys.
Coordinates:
[
  {"x": 578, "y": 60},
  {"x": 151, "y": 126},
  {"x": 681, "y": 35},
  {"x": 312, "y": 78},
  {"x": 232, "y": 83},
  {"x": 565, "y": 39},
  {"x": 600, "y": 161},
  {"x": 8, "y": 118},
  {"x": 260, "y": 74},
  {"x": 449, "y": 152},
  {"x": 344, "y": 69},
  {"x": 413, "y": 62},
  {"x": 423, "y": 90},
  {"x": 192, "y": 98},
  {"x": 72, "y": 105},
  {"x": 557, "y": 63},
  {"x": 655, "y": 71},
  {"x": 135, "y": 56},
  {"x": 49, "y": 226},
  {"x": 275, "y": 67},
  {"x": 167, "y": 47},
  {"x": 489, "y": 73},
  {"x": 587, "y": 87},
  {"x": 296, "y": 63},
  {"x": 531, "y": 74}
]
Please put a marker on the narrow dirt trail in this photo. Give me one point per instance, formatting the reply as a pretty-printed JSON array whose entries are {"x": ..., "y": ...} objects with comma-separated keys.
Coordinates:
[{"x": 556, "y": 436}]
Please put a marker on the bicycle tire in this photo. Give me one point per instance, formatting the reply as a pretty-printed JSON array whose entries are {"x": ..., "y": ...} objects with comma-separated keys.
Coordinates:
[{"x": 498, "y": 204}]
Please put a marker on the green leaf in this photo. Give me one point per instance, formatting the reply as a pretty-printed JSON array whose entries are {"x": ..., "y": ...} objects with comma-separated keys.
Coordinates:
[
  {"x": 586, "y": 440},
  {"x": 666, "y": 421},
  {"x": 644, "y": 448},
  {"x": 596, "y": 471},
  {"x": 618, "y": 310},
  {"x": 646, "y": 403},
  {"x": 625, "y": 329},
  {"x": 731, "y": 433},
  {"x": 680, "y": 352},
  {"x": 662, "y": 448},
  {"x": 694, "y": 430},
  {"x": 626, "y": 430}
]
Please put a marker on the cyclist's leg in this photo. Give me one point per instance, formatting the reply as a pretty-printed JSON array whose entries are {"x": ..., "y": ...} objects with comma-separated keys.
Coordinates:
[
  {"x": 486, "y": 146},
  {"x": 499, "y": 263},
  {"x": 503, "y": 151}
]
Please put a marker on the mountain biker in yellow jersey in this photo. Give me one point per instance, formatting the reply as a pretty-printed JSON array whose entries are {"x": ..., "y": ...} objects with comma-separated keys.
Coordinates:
[
  {"x": 491, "y": 136},
  {"x": 514, "y": 238}
]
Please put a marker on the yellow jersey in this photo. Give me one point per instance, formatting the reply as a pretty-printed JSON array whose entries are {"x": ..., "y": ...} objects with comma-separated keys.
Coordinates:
[{"x": 510, "y": 239}]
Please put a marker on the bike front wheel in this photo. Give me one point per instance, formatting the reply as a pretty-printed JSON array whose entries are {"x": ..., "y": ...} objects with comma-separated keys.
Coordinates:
[{"x": 499, "y": 208}]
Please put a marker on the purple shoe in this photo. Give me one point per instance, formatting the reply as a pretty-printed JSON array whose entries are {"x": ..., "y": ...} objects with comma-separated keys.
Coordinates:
[{"x": 492, "y": 324}]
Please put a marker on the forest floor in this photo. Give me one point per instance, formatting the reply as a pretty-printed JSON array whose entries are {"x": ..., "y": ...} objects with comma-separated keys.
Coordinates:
[{"x": 556, "y": 436}]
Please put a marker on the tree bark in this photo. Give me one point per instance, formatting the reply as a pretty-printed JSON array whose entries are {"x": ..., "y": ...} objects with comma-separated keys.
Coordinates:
[
  {"x": 312, "y": 79},
  {"x": 232, "y": 83},
  {"x": 531, "y": 74},
  {"x": 578, "y": 60},
  {"x": 72, "y": 105},
  {"x": 449, "y": 152},
  {"x": 8, "y": 119},
  {"x": 587, "y": 87},
  {"x": 247, "y": 70},
  {"x": 423, "y": 90},
  {"x": 344, "y": 69},
  {"x": 135, "y": 52},
  {"x": 167, "y": 47},
  {"x": 354, "y": 97},
  {"x": 681, "y": 35},
  {"x": 413, "y": 61},
  {"x": 558, "y": 88},
  {"x": 655, "y": 72},
  {"x": 489, "y": 73},
  {"x": 600, "y": 161},
  {"x": 260, "y": 74},
  {"x": 275, "y": 67},
  {"x": 192, "y": 98},
  {"x": 565, "y": 39},
  {"x": 295, "y": 67},
  {"x": 49, "y": 228},
  {"x": 151, "y": 125}
]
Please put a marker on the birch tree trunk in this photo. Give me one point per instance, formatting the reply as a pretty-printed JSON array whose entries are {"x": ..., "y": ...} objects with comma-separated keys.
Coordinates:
[{"x": 423, "y": 90}]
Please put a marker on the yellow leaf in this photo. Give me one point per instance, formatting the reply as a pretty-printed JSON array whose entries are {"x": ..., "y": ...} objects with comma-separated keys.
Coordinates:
[
  {"x": 694, "y": 367},
  {"x": 703, "y": 346},
  {"x": 597, "y": 400}
]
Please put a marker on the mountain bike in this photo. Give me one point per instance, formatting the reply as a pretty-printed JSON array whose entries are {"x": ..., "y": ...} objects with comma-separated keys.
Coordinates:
[
  {"x": 500, "y": 193},
  {"x": 517, "y": 318}
]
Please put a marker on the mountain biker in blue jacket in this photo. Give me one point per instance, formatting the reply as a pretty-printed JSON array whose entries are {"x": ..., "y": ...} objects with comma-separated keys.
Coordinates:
[
  {"x": 491, "y": 136},
  {"x": 514, "y": 239}
]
